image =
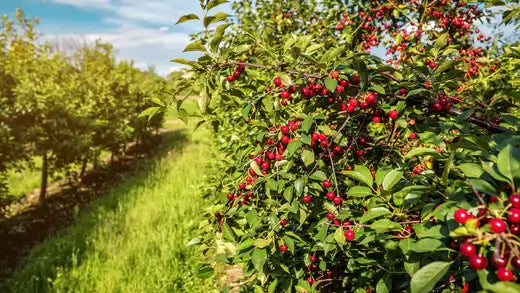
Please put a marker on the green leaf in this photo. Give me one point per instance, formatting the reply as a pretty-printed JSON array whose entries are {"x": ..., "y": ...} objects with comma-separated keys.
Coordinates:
[
  {"x": 331, "y": 84},
  {"x": 384, "y": 285},
  {"x": 411, "y": 267},
  {"x": 246, "y": 109},
  {"x": 214, "y": 3},
  {"x": 261, "y": 243},
  {"x": 252, "y": 218},
  {"x": 359, "y": 191},
  {"x": 307, "y": 123},
  {"x": 381, "y": 173},
  {"x": 293, "y": 146},
  {"x": 374, "y": 213},
  {"x": 425, "y": 279},
  {"x": 339, "y": 236},
  {"x": 441, "y": 41},
  {"x": 421, "y": 152},
  {"x": 378, "y": 89},
  {"x": 217, "y": 37},
  {"x": 318, "y": 176},
  {"x": 205, "y": 272},
  {"x": 307, "y": 157},
  {"x": 416, "y": 92},
  {"x": 508, "y": 162},
  {"x": 195, "y": 46},
  {"x": 361, "y": 174},
  {"x": 471, "y": 170},
  {"x": 483, "y": 186},
  {"x": 391, "y": 179},
  {"x": 227, "y": 233},
  {"x": 298, "y": 186},
  {"x": 184, "y": 61},
  {"x": 258, "y": 258},
  {"x": 426, "y": 245},
  {"x": 187, "y": 17},
  {"x": 385, "y": 225},
  {"x": 150, "y": 112},
  {"x": 447, "y": 64}
]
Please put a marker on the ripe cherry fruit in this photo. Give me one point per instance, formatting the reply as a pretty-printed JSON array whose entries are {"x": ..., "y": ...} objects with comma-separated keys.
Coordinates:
[
  {"x": 338, "y": 200},
  {"x": 497, "y": 225},
  {"x": 514, "y": 215},
  {"x": 461, "y": 216},
  {"x": 478, "y": 262},
  {"x": 514, "y": 200},
  {"x": 283, "y": 247},
  {"x": 306, "y": 198},
  {"x": 283, "y": 222},
  {"x": 393, "y": 114},
  {"x": 326, "y": 183},
  {"x": 468, "y": 249},
  {"x": 504, "y": 274},
  {"x": 277, "y": 81},
  {"x": 349, "y": 235}
]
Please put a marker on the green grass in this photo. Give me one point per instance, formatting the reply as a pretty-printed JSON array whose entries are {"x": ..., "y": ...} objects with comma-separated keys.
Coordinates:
[{"x": 132, "y": 240}]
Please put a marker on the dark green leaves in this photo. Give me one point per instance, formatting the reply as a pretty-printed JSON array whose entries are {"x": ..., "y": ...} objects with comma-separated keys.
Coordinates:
[
  {"x": 205, "y": 272},
  {"x": 425, "y": 279}
]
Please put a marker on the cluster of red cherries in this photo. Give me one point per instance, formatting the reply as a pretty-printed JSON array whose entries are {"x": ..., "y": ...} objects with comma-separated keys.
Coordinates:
[
  {"x": 506, "y": 253},
  {"x": 236, "y": 74}
]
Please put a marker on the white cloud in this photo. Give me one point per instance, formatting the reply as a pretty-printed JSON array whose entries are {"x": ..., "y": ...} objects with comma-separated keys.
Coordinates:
[{"x": 142, "y": 30}]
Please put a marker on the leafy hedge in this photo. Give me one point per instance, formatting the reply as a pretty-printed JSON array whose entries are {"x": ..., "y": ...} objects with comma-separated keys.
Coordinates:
[{"x": 343, "y": 172}]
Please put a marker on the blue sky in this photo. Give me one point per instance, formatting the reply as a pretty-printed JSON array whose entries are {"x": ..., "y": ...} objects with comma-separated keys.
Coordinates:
[{"x": 141, "y": 30}]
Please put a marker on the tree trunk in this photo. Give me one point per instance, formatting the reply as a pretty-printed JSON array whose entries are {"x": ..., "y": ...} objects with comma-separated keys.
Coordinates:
[
  {"x": 96, "y": 159},
  {"x": 45, "y": 175},
  {"x": 83, "y": 168}
]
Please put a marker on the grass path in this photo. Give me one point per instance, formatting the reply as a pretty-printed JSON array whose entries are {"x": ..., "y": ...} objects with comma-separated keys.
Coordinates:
[{"x": 132, "y": 240}]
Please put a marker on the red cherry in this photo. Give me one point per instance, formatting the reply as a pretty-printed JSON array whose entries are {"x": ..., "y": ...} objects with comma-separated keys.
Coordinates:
[
  {"x": 515, "y": 262},
  {"x": 376, "y": 119},
  {"x": 330, "y": 195},
  {"x": 285, "y": 129},
  {"x": 504, "y": 274},
  {"x": 334, "y": 74},
  {"x": 515, "y": 229},
  {"x": 285, "y": 95},
  {"x": 264, "y": 165},
  {"x": 339, "y": 89},
  {"x": 349, "y": 235},
  {"x": 338, "y": 200},
  {"x": 306, "y": 198},
  {"x": 413, "y": 135},
  {"x": 326, "y": 183},
  {"x": 498, "y": 262},
  {"x": 313, "y": 258},
  {"x": 403, "y": 91},
  {"x": 468, "y": 249},
  {"x": 393, "y": 114},
  {"x": 283, "y": 222},
  {"x": 283, "y": 247},
  {"x": 230, "y": 78},
  {"x": 461, "y": 216},
  {"x": 230, "y": 196},
  {"x": 514, "y": 199},
  {"x": 277, "y": 81},
  {"x": 478, "y": 262},
  {"x": 310, "y": 280},
  {"x": 432, "y": 65},
  {"x": 497, "y": 225},
  {"x": 330, "y": 216},
  {"x": 242, "y": 186},
  {"x": 270, "y": 156},
  {"x": 514, "y": 215}
]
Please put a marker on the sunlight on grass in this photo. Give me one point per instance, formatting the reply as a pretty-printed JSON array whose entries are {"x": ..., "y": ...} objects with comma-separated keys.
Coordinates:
[{"x": 132, "y": 240}]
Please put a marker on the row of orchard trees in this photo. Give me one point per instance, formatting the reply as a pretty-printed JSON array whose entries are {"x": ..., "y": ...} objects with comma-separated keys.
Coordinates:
[{"x": 67, "y": 107}]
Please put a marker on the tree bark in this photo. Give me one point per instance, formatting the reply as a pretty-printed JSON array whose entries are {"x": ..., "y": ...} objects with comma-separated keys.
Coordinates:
[
  {"x": 45, "y": 175},
  {"x": 83, "y": 168}
]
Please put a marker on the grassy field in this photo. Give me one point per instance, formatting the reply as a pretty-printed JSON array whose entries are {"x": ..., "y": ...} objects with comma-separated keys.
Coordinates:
[{"x": 132, "y": 240}]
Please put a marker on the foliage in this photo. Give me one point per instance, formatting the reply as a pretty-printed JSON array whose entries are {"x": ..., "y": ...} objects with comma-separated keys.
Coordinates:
[
  {"x": 343, "y": 172},
  {"x": 67, "y": 107}
]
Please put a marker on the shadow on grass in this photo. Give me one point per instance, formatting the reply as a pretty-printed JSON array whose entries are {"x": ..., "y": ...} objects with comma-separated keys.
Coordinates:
[{"x": 20, "y": 233}]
